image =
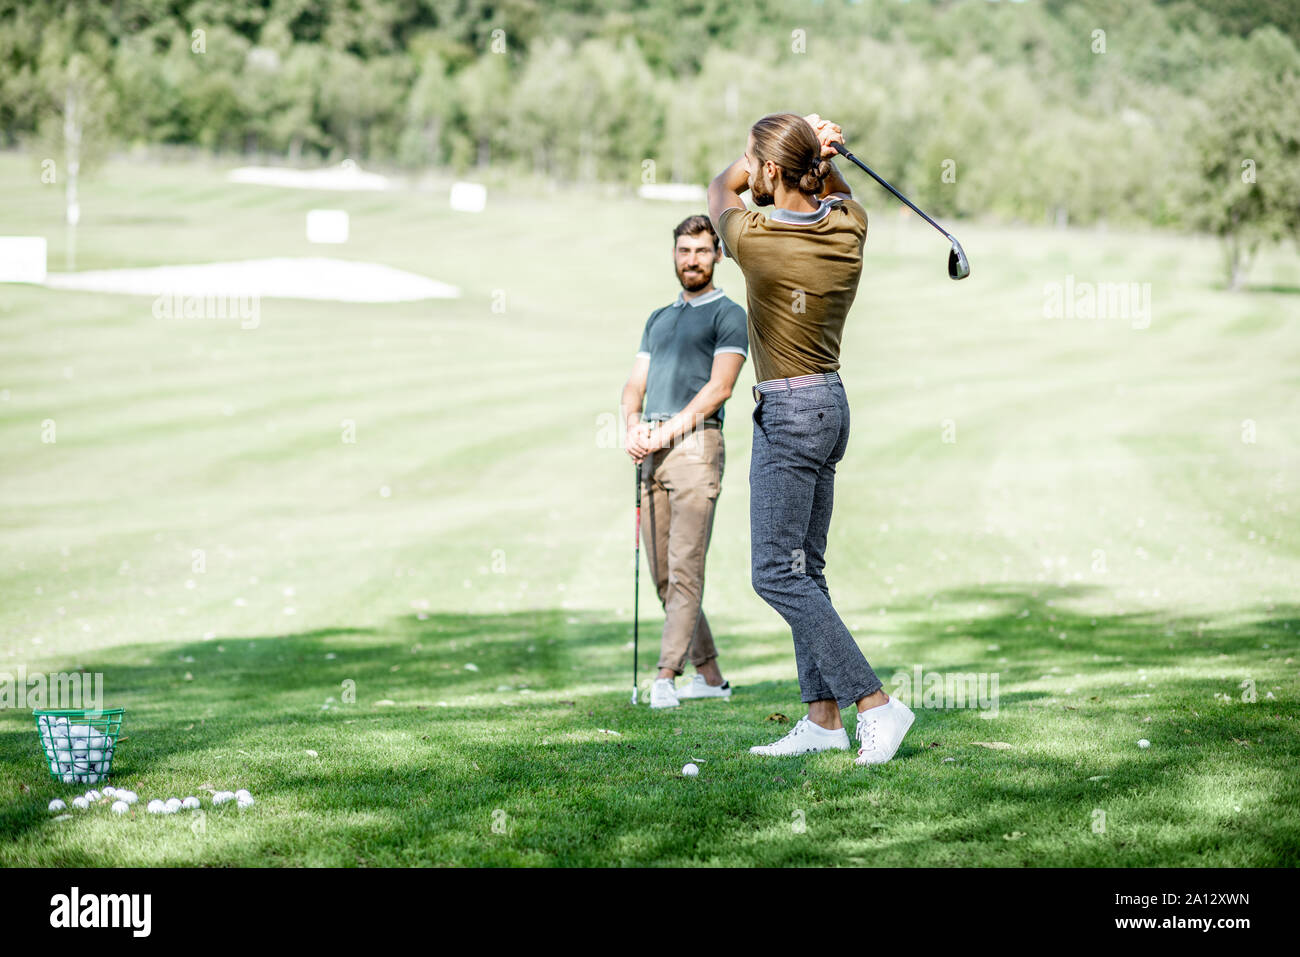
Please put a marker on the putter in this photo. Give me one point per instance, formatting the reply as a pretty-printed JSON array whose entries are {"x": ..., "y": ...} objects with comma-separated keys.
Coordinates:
[
  {"x": 958, "y": 267},
  {"x": 636, "y": 588}
]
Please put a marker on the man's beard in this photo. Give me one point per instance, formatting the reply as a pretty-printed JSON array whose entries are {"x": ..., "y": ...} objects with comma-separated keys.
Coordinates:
[
  {"x": 700, "y": 280},
  {"x": 760, "y": 189}
]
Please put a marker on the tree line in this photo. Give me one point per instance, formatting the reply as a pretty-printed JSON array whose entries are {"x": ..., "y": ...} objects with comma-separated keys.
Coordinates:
[{"x": 1181, "y": 114}]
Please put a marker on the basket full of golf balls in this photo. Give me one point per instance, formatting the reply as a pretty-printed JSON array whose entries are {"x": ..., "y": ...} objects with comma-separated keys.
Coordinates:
[{"x": 79, "y": 745}]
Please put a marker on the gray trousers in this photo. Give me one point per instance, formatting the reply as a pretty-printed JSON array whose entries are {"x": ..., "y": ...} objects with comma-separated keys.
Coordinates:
[{"x": 799, "y": 436}]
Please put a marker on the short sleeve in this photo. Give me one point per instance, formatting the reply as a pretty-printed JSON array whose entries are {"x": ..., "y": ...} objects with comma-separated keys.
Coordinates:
[
  {"x": 859, "y": 217},
  {"x": 732, "y": 224},
  {"x": 732, "y": 334},
  {"x": 644, "y": 349}
]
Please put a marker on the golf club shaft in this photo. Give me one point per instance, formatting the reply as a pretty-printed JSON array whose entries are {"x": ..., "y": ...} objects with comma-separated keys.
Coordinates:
[
  {"x": 636, "y": 588},
  {"x": 843, "y": 151}
]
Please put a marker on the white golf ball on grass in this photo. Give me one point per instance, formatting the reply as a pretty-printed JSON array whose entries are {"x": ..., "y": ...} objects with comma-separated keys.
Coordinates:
[
  {"x": 690, "y": 770},
  {"x": 221, "y": 797},
  {"x": 92, "y": 795},
  {"x": 244, "y": 800},
  {"x": 156, "y": 807},
  {"x": 130, "y": 797},
  {"x": 80, "y": 803},
  {"x": 190, "y": 803},
  {"x": 57, "y": 805},
  {"x": 1144, "y": 743},
  {"x": 120, "y": 807},
  {"x": 173, "y": 804}
]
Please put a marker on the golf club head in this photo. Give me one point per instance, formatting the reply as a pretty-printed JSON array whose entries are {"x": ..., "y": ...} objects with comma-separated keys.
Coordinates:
[
  {"x": 958, "y": 267},
  {"x": 634, "y": 695}
]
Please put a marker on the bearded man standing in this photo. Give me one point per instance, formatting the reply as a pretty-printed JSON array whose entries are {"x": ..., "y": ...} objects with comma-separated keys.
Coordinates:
[{"x": 691, "y": 353}]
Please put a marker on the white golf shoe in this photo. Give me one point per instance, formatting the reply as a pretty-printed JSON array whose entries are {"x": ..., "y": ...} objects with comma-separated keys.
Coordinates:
[
  {"x": 804, "y": 738},
  {"x": 663, "y": 694},
  {"x": 699, "y": 688},
  {"x": 881, "y": 730}
]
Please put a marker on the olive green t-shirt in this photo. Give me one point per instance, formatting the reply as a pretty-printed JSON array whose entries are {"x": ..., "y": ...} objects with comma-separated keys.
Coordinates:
[{"x": 801, "y": 274}]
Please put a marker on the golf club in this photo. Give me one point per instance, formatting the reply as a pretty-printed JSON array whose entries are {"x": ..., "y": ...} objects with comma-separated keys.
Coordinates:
[
  {"x": 636, "y": 588},
  {"x": 958, "y": 267}
]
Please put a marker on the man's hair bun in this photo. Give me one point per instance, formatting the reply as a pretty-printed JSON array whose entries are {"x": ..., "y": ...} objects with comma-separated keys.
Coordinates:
[{"x": 813, "y": 180}]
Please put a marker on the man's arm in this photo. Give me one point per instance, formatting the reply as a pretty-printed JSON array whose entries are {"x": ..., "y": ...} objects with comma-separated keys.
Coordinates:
[
  {"x": 725, "y": 190},
  {"x": 836, "y": 184},
  {"x": 722, "y": 379},
  {"x": 630, "y": 406}
]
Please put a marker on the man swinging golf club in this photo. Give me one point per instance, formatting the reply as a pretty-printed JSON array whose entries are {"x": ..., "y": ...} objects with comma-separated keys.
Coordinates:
[
  {"x": 691, "y": 352},
  {"x": 802, "y": 268}
]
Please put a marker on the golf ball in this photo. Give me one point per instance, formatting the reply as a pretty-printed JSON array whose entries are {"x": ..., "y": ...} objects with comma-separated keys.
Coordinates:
[
  {"x": 1144, "y": 743},
  {"x": 92, "y": 795},
  {"x": 110, "y": 791},
  {"x": 242, "y": 794},
  {"x": 190, "y": 803},
  {"x": 129, "y": 797},
  {"x": 173, "y": 804},
  {"x": 57, "y": 805},
  {"x": 156, "y": 807},
  {"x": 80, "y": 803},
  {"x": 69, "y": 778},
  {"x": 690, "y": 770},
  {"x": 120, "y": 807},
  {"x": 221, "y": 797}
]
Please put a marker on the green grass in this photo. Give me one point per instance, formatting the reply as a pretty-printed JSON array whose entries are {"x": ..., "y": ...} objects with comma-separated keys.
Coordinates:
[{"x": 1098, "y": 536}]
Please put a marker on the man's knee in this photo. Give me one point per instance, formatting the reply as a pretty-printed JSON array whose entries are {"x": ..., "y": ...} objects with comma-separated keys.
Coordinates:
[{"x": 770, "y": 582}]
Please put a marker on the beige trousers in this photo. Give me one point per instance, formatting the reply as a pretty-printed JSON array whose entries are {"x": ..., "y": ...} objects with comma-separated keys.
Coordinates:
[{"x": 679, "y": 493}]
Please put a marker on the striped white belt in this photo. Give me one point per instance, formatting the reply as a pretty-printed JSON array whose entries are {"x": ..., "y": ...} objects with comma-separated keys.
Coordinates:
[{"x": 795, "y": 382}]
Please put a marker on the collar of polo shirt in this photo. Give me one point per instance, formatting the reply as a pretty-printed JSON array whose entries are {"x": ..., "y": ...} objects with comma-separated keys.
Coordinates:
[
  {"x": 699, "y": 300},
  {"x": 805, "y": 219}
]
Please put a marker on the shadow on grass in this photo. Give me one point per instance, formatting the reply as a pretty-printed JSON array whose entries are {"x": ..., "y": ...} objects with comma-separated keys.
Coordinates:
[
  {"x": 520, "y": 736},
  {"x": 1279, "y": 289}
]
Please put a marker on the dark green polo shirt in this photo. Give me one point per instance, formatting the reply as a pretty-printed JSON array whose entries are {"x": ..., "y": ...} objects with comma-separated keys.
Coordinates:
[{"x": 680, "y": 341}]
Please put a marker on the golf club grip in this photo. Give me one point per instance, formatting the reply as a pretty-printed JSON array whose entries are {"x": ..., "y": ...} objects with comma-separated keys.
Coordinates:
[{"x": 843, "y": 151}]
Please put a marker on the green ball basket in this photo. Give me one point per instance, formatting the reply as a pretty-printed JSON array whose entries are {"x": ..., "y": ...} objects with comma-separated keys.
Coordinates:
[{"x": 79, "y": 745}]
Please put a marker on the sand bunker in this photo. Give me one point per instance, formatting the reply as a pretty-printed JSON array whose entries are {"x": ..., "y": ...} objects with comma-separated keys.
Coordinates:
[
  {"x": 337, "y": 280},
  {"x": 346, "y": 176}
]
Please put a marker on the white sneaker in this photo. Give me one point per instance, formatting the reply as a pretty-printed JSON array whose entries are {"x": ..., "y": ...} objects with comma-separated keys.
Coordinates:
[
  {"x": 699, "y": 688},
  {"x": 881, "y": 730},
  {"x": 803, "y": 738},
  {"x": 663, "y": 694}
]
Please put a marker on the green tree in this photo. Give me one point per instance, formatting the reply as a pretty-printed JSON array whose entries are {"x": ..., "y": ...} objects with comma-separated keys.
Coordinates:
[
  {"x": 21, "y": 91},
  {"x": 484, "y": 91},
  {"x": 76, "y": 117},
  {"x": 428, "y": 108},
  {"x": 1245, "y": 183}
]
